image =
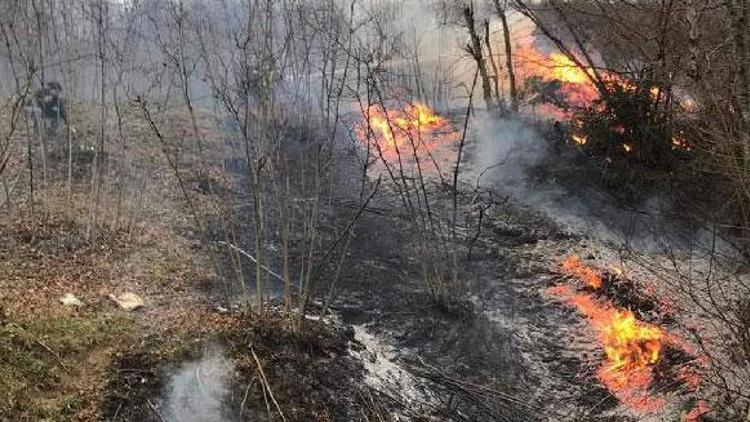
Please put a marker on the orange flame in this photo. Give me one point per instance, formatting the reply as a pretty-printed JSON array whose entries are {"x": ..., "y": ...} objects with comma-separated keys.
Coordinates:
[
  {"x": 574, "y": 267},
  {"x": 678, "y": 142},
  {"x": 577, "y": 84},
  {"x": 631, "y": 346},
  {"x": 396, "y": 131},
  {"x": 579, "y": 139}
]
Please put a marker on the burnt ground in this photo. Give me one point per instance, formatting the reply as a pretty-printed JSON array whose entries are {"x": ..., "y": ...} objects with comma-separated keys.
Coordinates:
[
  {"x": 311, "y": 374},
  {"x": 496, "y": 350},
  {"x": 502, "y": 335},
  {"x": 499, "y": 349}
]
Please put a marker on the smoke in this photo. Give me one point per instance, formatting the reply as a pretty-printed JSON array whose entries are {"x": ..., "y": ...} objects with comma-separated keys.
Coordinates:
[
  {"x": 502, "y": 150},
  {"x": 196, "y": 392},
  {"x": 505, "y": 156}
]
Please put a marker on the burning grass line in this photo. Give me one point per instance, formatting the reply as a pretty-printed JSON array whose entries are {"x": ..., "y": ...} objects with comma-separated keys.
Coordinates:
[
  {"x": 632, "y": 347},
  {"x": 412, "y": 127}
]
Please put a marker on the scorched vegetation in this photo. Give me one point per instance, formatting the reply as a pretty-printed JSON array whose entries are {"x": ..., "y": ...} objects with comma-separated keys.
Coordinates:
[{"x": 374, "y": 210}]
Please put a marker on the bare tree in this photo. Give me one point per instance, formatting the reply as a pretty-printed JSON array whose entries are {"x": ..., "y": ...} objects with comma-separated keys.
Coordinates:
[
  {"x": 501, "y": 6},
  {"x": 475, "y": 50}
]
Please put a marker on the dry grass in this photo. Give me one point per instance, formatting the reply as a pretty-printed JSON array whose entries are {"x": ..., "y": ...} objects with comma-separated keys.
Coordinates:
[{"x": 55, "y": 360}]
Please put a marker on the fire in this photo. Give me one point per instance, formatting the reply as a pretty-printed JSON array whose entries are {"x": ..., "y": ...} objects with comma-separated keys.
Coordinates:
[
  {"x": 577, "y": 86},
  {"x": 574, "y": 267},
  {"x": 552, "y": 67},
  {"x": 564, "y": 69},
  {"x": 628, "y": 343},
  {"x": 397, "y": 131},
  {"x": 576, "y": 83},
  {"x": 678, "y": 142},
  {"x": 631, "y": 347},
  {"x": 688, "y": 104}
]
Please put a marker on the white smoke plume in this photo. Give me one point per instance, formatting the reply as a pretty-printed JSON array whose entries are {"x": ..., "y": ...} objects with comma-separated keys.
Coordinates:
[{"x": 196, "y": 392}]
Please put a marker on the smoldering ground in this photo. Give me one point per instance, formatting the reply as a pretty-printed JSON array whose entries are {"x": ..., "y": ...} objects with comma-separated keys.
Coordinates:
[{"x": 196, "y": 392}]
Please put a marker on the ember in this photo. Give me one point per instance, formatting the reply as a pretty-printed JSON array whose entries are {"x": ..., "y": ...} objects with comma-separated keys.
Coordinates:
[
  {"x": 407, "y": 130},
  {"x": 579, "y": 139}
]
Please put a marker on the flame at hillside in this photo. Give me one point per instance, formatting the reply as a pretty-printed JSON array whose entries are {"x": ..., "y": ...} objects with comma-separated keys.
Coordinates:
[
  {"x": 564, "y": 85},
  {"x": 632, "y": 347},
  {"x": 403, "y": 132},
  {"x": 577, "y": 84},
  {"x": 574, "y": 267}
]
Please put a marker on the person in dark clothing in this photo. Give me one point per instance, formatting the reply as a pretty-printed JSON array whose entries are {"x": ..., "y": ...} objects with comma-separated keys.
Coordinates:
[
  {"x": 51, "y": 107},
  {"x": 46, "y": 110}
]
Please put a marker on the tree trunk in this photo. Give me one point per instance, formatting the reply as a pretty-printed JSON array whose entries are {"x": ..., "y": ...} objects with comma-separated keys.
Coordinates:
[
  {"x": 508, "y": 57},
  {"x": 738, "y": 13},
  {"x": 475, "y": 49},
  {"x": 496, "y": 75}
]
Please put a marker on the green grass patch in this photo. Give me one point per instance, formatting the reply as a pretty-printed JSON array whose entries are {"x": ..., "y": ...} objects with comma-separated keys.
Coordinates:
[{"x": 43, "y": 359}]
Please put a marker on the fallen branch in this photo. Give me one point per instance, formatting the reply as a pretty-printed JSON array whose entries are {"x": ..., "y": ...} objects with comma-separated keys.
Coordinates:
[
  {"x": 252, "y": 258},
  {"x": 47, "y": 348},
  {"x": 156, "y": 412},
  {"x": 59, "y": 359},
  {"x": 264, "y": 380}
]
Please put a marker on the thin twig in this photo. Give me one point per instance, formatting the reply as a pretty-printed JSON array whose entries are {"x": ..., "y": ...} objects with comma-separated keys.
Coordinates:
[
  {"x": 266, "y": 385},
  {"x": 244, "y": 398},
  {"x": 252, "y": 258},
  {"x": 59, "y": 359},
  {"x": 156, "y": 412}
]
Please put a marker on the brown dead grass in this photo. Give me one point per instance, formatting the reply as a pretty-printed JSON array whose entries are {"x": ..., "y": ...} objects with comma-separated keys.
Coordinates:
[{"x": 54, "y": 360}]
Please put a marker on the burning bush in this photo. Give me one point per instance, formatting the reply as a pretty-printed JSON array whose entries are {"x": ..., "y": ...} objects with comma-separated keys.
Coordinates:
[
  {"x": 630, "y": 127},
  {"x": 627, "y": 125}
]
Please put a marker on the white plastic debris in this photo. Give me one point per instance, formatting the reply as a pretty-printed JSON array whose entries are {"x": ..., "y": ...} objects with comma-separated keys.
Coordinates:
[
  {"x": 127, "y": 301},
  {"x": 70, "y": 300}
]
